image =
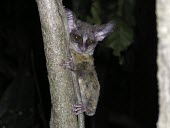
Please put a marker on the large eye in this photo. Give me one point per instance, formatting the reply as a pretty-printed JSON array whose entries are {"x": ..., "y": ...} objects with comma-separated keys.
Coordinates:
[
  {"x": 90, "y": 42},
  {"x": 76, "y": 38}
]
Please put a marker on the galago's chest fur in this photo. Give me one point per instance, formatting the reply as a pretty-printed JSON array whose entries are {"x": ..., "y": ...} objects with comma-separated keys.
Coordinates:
[{"x": 82, "y": 58}]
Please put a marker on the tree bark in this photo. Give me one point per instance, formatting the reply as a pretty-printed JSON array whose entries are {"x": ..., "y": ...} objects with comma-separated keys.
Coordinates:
[
  {"x": 163, "y": 61},
  {"x": 56, "y": 44}
]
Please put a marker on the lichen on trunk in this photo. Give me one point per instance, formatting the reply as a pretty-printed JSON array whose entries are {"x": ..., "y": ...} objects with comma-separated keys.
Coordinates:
[
  {"x": 163, "y": 61},
  {"x": 56, "y": 42}
]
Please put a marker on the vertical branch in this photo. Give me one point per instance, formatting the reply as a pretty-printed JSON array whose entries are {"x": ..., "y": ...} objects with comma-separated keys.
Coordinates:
[
  {"x": 163, "y": 61},
  {"x": 81, "y": 120},
  {"x": 56, "y": 39}
]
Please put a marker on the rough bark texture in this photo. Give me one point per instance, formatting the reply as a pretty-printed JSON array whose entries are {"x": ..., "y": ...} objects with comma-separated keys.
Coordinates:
[
  {"x": 163, "y": 61},
  {"x": 56, "y": 39}
]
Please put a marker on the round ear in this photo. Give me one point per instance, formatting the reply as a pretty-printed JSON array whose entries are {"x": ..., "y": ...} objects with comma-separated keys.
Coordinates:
[
  {"x": 71, "y": 20},
  {"x": 104, "y": 30}
]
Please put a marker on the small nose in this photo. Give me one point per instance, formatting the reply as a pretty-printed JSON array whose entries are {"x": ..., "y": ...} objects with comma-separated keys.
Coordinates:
[{"x": 82, "y": 49}]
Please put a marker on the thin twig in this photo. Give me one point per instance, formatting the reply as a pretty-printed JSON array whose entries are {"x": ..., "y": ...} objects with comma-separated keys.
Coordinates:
[{"x": 81, "y": 120}]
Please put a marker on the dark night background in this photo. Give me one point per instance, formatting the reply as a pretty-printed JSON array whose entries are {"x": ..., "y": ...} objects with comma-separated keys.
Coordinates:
[{"x": 129, "y": 94}]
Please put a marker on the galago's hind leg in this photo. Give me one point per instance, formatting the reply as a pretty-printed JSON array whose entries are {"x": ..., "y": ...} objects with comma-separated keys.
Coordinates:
[{"x": 79, "y": 108}]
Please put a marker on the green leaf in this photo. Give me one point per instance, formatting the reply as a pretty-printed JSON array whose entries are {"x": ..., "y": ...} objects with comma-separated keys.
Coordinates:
[{"x": 121, "y": 38}]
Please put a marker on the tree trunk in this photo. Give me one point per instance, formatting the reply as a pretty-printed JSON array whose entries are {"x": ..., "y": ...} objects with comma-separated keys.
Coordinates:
[
  {"x": 56, "y": 44},
  {"x": 163, "y": 61}
]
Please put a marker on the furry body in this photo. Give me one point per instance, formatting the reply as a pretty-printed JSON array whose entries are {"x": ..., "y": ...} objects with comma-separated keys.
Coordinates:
[{"x": 84, "y": 37}]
